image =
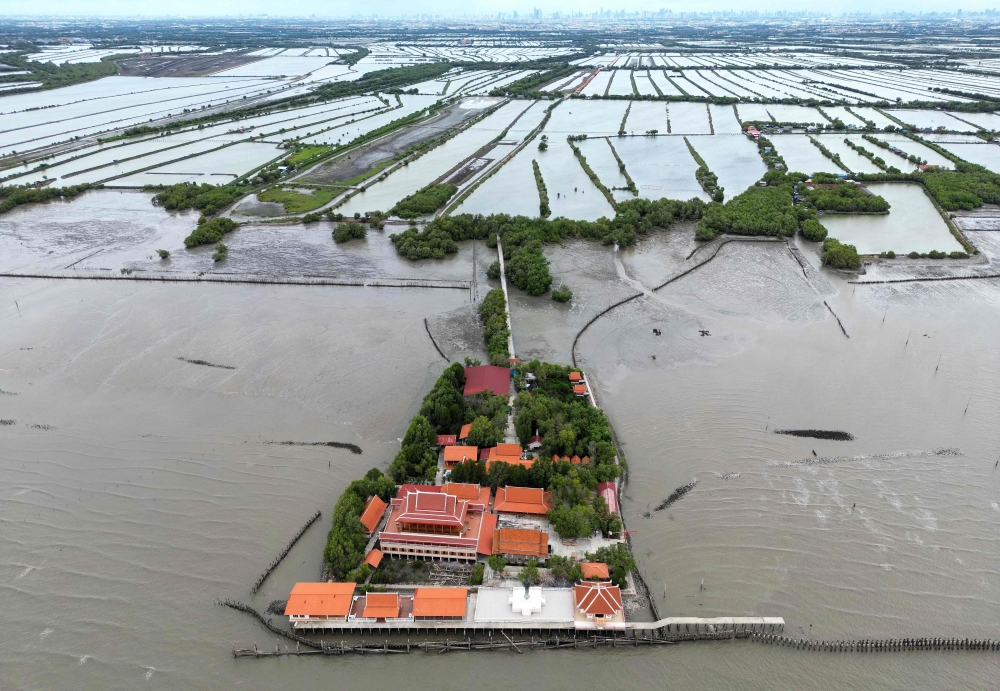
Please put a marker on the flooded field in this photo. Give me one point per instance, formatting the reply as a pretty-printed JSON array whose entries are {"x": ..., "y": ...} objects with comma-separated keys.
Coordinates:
[
  {"x": 912, "y": 224},
  {"x": 155, "y": 437}
]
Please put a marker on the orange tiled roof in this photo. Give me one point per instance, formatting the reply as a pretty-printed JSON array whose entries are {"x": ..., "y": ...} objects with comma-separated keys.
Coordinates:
[
  {"x": 521, "y": 542},
  {"x": 440, "y": 602},
  {"x": 465, "y": 490},
  {"x": 456, "y": 454},
  {"x": 579, "y": 389},
  {"x": 598, "y": 597},
  {"x": 381, "y": 606},
  {"x": 320, "y": 599},
  {"x": 575, "y": 377},
  {"x": 374, "y": 558},
  {"x": 595, "y": 570},
  {"x": 372, "y": 514},
  {"x": 526, "y": 500},
  {"x": 465, "y": 431}
]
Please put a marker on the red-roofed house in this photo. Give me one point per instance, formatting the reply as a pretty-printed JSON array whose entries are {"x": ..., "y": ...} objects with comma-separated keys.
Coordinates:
[
  {"x": 599, "y": 601},
  {"x": 594, "y": 571},
  {"x": 606, "y": 490},
  {"x": 319, "y": 601},
  {"x": 579, "y": 390},
  {"x": 575, "y": 377},
  {"x": 440, "y": 603},
  {"x": 453, "y": 455},
  {"x": 520, "y": 544},
  {"x": 508, "y": 453},
  {"x": 407, "y": 488},
  {"x": 522, "y": 500},
  {"x": 436, "y": 525},
  {"x": 487, "y": 377},
  {"x": 381, "y": 606},
  {"x": 447, "y": 440},
  {"x": 469, "y": 492},
  {"x": 372, "y": 514},
  {"x": 373, "y": 558},
  {"x": 464, "y": 433}
]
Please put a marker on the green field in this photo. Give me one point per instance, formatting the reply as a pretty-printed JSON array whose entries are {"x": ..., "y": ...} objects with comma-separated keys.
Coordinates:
[
  {"x": 307, "y": 153},
  {"x": 298, "y": 202}
]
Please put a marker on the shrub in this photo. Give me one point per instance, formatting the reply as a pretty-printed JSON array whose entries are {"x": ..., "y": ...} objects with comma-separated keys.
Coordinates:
[
  {"x": 758, "y": 211},
  {"x": 840, "y": 256},
  {"x": 477, "y": 574},
  {"x": 494, "y": 271},
  {"x": 529, "y": 572},
  {"x": 221, "y": 252},
  {"x": 562, "y": 294},
  {"x": 959, "y": 255},
  {"x": 493, "y": 315},
  {"x": 914, "y": 255},
  {"x": 209, "y": 199},
  {"x": 164, "y": 254},
  {"x": 813, "y": 230},
  {"x": 497, "y": 563},
  {"x": 424, "y": 202},
  {"x": 210, "y": 232},
  {"x": 619, "y": 561},
  {"x": 349, "y": 230}
]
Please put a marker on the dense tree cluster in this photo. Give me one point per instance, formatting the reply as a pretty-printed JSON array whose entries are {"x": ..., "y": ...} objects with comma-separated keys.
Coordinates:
[
  {"x": 209, "y": 199},
  {"x": 424, "y": 202},
  {"x": 840, "y": 256},
  {"x": 349, "y": 230},
  {"x": 523, "y": 237},
  {"x": 493, "y": 315},
  {"x": 13, "y": 196},
  {"x": 844, "y": 197},
  {"x": 345, "y": 544},
  {"x": 210, "y": 232}
]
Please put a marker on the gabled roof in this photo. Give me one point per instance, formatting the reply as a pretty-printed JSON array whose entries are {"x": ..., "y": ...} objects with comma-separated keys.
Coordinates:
[
  {"x": 525, "y": 500},
  {"x": 372, "y": 514},
  {"x": 373, "y": 558},
  {"x": 407, "y": 488},
  {"x": 440, "y": 602},
  {"x": 521, "y": 542},
  {"x": 464, "y": 433},
  {"x": 457, "y": 454},
  {"x": 446, "y": 439},
  {"x": 320, "y": 599},
  {"x": 606, "y": 490},
  {"x": 598, "y": 598},
  {"x": 496, "y": 379},
  {"x": 508, "y": 453},
  {"x": 381, "y": 606},
  {"x": 433, "y": 508},
  {"x": 467, "y": 491},
  {"x": 596, "y": 570},
  {"x": 575, "y": 377},
  {"x": 484, "y": 544},
  {"x": 579, "y": 389}
]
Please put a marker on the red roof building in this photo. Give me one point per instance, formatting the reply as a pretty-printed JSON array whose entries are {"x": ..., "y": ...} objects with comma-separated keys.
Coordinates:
[
  {"x": 447, "y": 440},
  {"x": 598, "y": 600},
  {"x": 320, "y": 601},
  {"x": 609, "y": 493},
  {"x": 440, "y": 603},
  {"x": 575, "y": 377},
  {"x": 464, "y": 433},
  {"x": 453, "y": 455},
  {"x": 373, "y": 558},
  {"x": 508, "y": 453},
  {"x": 522, "y": 500},
  {"x": 381, "y": 606},
  {"x": 407, "y": 488},
  {"x": 487, "y": 377},
  {"x": 470, "y": 492},
  {"x": 520, "y": 543},
  {"x": 436, "y": 525},
  {"x": 594, "y": 571},
  {"x": 372, "y": 514},
  {"x": 579, "y": 390}
]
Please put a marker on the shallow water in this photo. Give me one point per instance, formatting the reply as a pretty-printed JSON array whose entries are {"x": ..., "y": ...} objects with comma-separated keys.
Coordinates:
[
  {"x": 149, "y": 495},
  {"x": 912, "y": 224}
]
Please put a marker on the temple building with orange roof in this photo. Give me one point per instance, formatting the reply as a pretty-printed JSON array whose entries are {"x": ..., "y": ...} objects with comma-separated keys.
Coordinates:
[
  {"x": 512, "y": 454},
  {"x": 600, "y": 602},
  {"x": 437, "y": 525},
  {"x": 519, "y": 545},
  {"x": 319, "y": 602},
  {"x": 529, "y": 501},
  {"x": 372, "y": 514},
  {"x": 453, "y": 455}
]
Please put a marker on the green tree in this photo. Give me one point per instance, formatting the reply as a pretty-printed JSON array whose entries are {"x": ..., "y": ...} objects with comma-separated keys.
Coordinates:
[
  {"x": 529, "y": 573},
  {"x": 484, "y": 434}
]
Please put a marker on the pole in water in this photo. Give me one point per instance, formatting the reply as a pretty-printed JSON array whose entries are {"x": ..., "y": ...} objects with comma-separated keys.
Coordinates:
[
  {"x": 908, "y": 338},
  {"x": 702, "y": 584},
  {"x": 885, "y": 313},
  {"x": 938, "y": 364},
  {"x": 18, "y": 308},
  {"x": 967, "y": 406}
]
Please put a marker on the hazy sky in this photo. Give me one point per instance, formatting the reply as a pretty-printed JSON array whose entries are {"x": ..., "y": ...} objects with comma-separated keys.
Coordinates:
[{"x": 326, "y": 8}]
